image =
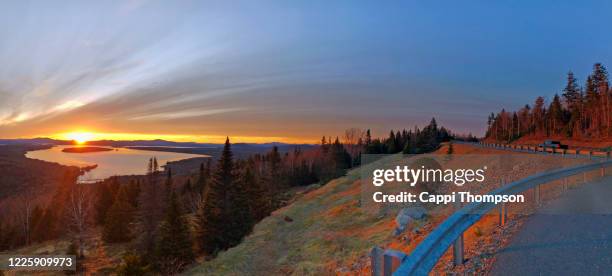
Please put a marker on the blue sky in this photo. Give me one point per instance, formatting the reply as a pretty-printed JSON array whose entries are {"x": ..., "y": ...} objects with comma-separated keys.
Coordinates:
[{"x": 285, "y": 70}]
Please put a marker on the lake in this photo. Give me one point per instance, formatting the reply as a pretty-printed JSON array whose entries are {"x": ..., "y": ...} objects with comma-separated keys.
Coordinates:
[{"x": 118, "y": 161}]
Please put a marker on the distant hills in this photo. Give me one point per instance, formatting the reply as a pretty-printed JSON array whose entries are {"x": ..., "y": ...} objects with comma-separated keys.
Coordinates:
[{"x": 241, "y": 150}]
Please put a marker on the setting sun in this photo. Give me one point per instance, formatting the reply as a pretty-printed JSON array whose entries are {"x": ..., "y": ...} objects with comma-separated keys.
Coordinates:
[{"x": 80, "y": 137}]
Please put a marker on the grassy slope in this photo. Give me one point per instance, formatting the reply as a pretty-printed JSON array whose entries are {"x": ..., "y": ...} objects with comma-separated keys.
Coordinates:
[
  {"x": 331, "y": 234},
  {"x": 328, "y": 228}
]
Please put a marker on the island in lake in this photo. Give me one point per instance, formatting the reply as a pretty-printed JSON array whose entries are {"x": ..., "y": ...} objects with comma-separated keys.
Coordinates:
[{"x": 85, "y": 149}]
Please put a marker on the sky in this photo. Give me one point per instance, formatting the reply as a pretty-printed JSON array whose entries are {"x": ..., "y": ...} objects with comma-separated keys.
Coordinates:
[{"x": 287, "y": 71}]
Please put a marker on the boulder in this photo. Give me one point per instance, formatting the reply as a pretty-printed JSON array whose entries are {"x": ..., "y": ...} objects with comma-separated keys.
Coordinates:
[
  {"x": 413, "y": 212},
  {"x": 402, "y": 220},
  {"x": 406, "y": 216}
]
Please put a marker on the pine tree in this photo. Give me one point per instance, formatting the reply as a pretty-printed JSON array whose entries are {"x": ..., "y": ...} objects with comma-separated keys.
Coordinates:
[
  {"x": 555, "y": 111},
  {"x": 168, "y": 184},
  {"x": 202, "y": 180},
  {"x": 105, "y": 198},
  {"x": 212, "y": 217},
  {"x": 240, "y": 216},
  {"x": 174, "y": 248},
  {"x": 392, "y": 143},
  {"x": 118, "y": 219},
  {"x": 259, "y": 203},
  {"x": 150, "y": 210},
  {"x": 571, "y": 92},
  {"x": 133, "y": 192}
]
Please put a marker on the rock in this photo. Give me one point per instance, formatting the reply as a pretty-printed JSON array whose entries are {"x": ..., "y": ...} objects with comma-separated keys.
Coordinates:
[
  {"x": 402, "y": 220},
  {"x": 398, "y": 231},
  {"x": 414, "y": 212},
  {"x": 406, "y": 217},
  {"x": 342, "y": 270},
  {"x": 288, "y": 219}
]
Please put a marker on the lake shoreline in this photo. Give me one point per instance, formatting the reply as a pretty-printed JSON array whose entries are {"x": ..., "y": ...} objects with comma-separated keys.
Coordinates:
[{"x": 85, "y": 149}]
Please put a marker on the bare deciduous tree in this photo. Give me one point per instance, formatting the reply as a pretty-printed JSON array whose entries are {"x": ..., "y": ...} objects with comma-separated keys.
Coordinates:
[
  {"x": 352, "y": 138},
  {"x": 79, "y": 214},
  {"x": 24, "y": 207}
]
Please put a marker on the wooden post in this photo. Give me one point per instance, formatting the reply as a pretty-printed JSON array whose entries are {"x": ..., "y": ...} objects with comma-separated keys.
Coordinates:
[
  {"x": 388, "y": 267},
  {"x": 392, "y": 260},
  {"x": 505, "y": 213},
  {"x": 375, "y": 260},
  {"x": 458, "y": 250},
  {"x": 536, "y": 194},
  {"x": 501, "y": 217},
  {"x": 603, "y": 171}
]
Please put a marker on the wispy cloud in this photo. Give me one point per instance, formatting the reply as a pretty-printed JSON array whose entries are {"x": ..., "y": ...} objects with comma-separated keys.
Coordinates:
[{"x": 184, "y": 114}]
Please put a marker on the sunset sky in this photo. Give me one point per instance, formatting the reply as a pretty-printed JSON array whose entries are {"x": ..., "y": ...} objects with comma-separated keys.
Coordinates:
[{"x": 283, "y": 70}]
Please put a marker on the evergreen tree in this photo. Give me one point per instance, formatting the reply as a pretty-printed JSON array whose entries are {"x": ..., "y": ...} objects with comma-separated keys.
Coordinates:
[
  {"x": 133, "y": 192},
  {"x": 150, "y": 211},
  {"x": 240, "y": 215},
  {"x": 174, "y": 248},
  {"x": 118, "y": 219},
  {"x": 555, "y": 112},
  {"x": 203, "y": 176},
  {"x": 571, "y": 92},
  {"x": 213, "y": 215},
  {"x": 105, "y": 198},
  {"x": 259, "y": 203},
  {"x": 392, "y": 146}
]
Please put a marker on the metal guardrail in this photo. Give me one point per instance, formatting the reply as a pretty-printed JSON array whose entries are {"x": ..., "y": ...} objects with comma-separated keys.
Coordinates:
[
  {"x": 579, "y": 152},
  {"x": 90, "y": 181},
  {"x": 425, "y": 256}
]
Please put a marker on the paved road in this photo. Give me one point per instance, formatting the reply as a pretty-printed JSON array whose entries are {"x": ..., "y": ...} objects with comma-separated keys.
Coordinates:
[{"x": 569, "y": 236}]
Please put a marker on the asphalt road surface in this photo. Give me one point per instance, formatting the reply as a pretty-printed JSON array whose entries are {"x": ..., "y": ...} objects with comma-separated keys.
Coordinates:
[{"x": 571, "y": 235}]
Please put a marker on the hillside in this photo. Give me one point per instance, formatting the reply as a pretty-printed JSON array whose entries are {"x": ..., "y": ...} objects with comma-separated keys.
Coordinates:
[{"x": 326, "y": 232}]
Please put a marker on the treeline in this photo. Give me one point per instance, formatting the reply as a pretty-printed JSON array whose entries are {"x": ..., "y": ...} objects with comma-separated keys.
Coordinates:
[
  {"x": 409, "y": 141},
  {"x": 167, "y": 220},
  {"x": 580, "y": 112},
  {"x": 26, "y": 219},
  {"x": 169, "y": 223}
]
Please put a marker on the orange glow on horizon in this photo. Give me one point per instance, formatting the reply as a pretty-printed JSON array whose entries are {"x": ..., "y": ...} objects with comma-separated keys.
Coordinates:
[{"x": 82, "y": 137}]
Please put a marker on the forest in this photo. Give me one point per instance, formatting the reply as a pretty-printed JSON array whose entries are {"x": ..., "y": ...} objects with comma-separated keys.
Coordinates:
[
  {"x": 167, "y": 219},
  {"x": 579, "y": 112}
]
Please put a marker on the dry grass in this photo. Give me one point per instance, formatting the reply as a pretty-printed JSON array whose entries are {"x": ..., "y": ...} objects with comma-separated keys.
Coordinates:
[{"x": 331, "y": 234}]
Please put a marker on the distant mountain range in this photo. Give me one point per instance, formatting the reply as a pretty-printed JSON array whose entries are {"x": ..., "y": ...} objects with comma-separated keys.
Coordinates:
[{"x": 240, "y": 149}]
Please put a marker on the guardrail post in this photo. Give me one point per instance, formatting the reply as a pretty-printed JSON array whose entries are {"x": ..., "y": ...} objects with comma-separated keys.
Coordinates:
[
  {"x": 392, "y": 259},
  {"x": 375, "y": 260},
  {"x": 458, "y": 250},
  {"x": 505, "y": 213},
  {"x": 536, "y": 193}
]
